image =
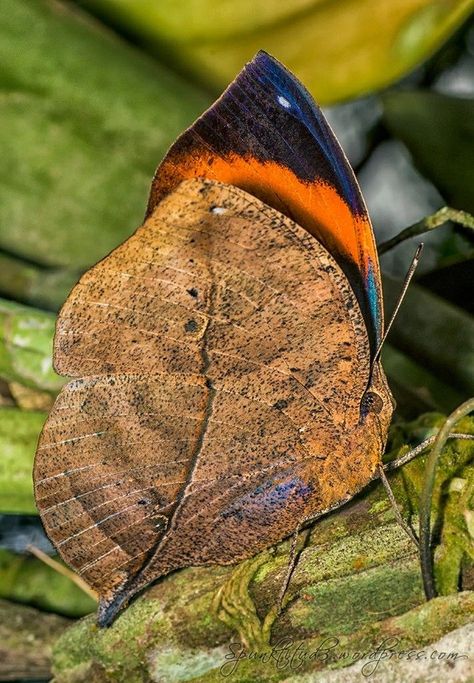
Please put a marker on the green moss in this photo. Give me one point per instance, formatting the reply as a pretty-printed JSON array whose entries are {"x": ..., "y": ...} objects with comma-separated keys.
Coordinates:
[
  {"x": 25, "y": 579},
  {"x": 119, "y": 650},
  {"x": 342, "y": 605},
  {"x": 178, "y": 665},
  {"x": 276, "y": 558},
  {"x": 430, "y": 621},
  {"x": 449, "y": 505},
  {"x": 375, "y": 546},
  {"x": 234, "y": 605},
  {"x": 379, "y": 506},
  {"x": 456, "y": 550}
]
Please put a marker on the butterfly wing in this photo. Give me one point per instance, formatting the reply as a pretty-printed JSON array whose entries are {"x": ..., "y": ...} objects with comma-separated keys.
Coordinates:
[
  {"x": 267, "y": 136},
  {"x": 221, "y": 357}
]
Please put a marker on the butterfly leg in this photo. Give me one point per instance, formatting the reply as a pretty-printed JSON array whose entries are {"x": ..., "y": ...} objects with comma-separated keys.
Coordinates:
[
  {"x": 293, "y": 559},
  {"x": 388, "y": 489}
]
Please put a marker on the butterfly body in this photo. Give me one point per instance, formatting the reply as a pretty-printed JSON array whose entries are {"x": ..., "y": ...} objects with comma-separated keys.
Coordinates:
[{"x": 226, "y": 389}]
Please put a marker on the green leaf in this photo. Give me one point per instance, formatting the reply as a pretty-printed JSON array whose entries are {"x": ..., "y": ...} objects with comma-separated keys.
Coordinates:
[
  {"x": 26, "y": 344},
  {"x": 85, "y": 121},
  {"x": 457, "y": 545},
  {"x": 25, "y": 579},
  {"x": 31, "y": 284},
  {"x": 416, "y": 390},
  {"x": 456, "y": 455},
  {"x": 439, "y": 132},
  {"x": 339, "y": 48},
  {"x": 436, "y": 334},
  {"x": 452, "y": 494},
  {"x": 19, "y": 431}
]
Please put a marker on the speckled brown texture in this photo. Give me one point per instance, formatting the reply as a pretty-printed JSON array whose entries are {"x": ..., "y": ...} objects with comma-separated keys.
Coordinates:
[{"x": 222, "y": 358}]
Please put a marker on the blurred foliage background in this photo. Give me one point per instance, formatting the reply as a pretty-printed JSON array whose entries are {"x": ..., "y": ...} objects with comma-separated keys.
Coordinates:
[{"x": 92, "y": 94}]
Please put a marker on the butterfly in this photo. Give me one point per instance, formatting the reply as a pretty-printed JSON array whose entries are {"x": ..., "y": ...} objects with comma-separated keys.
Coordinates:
[{"x": 227, "y": 381}]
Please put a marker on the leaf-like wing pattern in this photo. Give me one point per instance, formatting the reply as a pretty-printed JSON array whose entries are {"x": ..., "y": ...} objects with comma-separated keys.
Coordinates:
[{"x": 221, "y": 358}]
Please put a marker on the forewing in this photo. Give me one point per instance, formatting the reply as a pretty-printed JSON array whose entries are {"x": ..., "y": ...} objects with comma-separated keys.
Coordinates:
[{"x": 267, "y": 135}]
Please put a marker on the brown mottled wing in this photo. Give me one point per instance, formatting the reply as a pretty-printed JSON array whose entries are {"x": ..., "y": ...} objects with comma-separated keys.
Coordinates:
[{"x": 222, "y": 357}]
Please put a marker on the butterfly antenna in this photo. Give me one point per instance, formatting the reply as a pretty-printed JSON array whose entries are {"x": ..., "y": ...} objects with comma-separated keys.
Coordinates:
[{"x": 408, "y": 277}]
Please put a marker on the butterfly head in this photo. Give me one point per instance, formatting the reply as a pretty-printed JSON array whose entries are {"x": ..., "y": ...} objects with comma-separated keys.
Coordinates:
[{"x": 377, "y": 404}]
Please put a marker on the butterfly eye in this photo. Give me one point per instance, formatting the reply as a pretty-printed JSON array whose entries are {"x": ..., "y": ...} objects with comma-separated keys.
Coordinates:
[{"x": 371, "y": 403}]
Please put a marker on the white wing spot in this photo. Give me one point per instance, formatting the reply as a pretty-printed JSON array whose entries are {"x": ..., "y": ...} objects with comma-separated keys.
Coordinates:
[
  {"x": 218, "y": 209},
  {"x": 284, "y": 102}
]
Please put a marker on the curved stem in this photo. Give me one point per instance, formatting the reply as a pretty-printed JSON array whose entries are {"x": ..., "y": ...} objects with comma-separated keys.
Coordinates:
[
  {"x": 436, "y": 220},
  {"x": 414, "y": 452},
  {"x": 426, "y": 557}
]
